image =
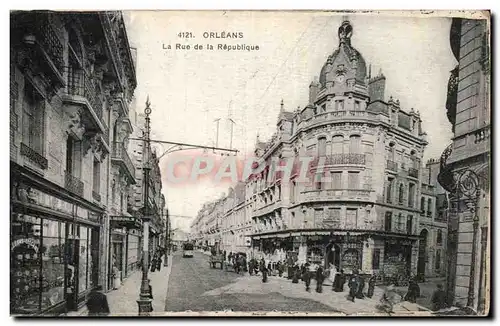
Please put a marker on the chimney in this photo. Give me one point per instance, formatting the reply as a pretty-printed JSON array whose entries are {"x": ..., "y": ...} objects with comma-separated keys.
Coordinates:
[
  {"x": 376, "y": 88},
  {"x": 313, "y": 91}
]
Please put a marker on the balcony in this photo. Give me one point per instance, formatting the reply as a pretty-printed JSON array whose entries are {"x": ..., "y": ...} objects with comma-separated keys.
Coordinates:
[
  {"x": 42, "y": 43},
  {"x": 355, "y": 115},
  {"x": 413, "y": 173},
  {"x": 336, "y": 195},
  {"x": 73, "y": 184},
  {"x": 34, "y": 156},
  {"x": 341, "y": 159},
  {"x": 392, "y": 166},
  {"x": 120, "y": 157}
]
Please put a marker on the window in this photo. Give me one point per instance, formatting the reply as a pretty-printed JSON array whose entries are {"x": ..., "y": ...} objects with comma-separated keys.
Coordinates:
[
  {"x": 411, "y": 194},
  {"x": 376, "y": 259},
  {"x": 33, "y": 120},
  {"x": 339, "y": 105},
  {"x": 351, "y": 218},
  {"x": 388, "y": 194},
  {"x": 338, "y": 145},
  {"x": 422, "y": 206},
  {"x": 73, "y": 157},
  {"x": 429, "y": 207},
  {"x": 96, "y": 176},
  {"x": 355, "y": 144},
  {"x": 336, "y": 180},
  {"x": 318, "y": 217},
  {"x": 318, "y": 183},
  {"x": 409, "y": 225},
  {"x": 388, "y": 221},
  {"x": 401, "y": 193},
  {"x": 353, "y": 180},
  {"x": 357, "y": 105},
  {"x": 322, "y": 147},
  {"x": 391, "y": 152},
  {"x": 292, "y": 192},
  {"x": 439, "y": 237},
  {"x": 438, "y": 259},
  {"x": 334, "y": 215}
]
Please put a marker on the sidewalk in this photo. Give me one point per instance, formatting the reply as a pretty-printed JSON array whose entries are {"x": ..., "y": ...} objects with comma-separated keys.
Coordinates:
[{"x": 123, "y": 301}]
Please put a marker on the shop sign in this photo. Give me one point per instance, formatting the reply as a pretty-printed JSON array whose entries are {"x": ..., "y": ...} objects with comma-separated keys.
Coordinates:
[{"x": 30, "y": 242}]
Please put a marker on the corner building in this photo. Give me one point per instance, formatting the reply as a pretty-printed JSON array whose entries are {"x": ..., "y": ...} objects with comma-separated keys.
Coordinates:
[{"x": 360, "y": 209}]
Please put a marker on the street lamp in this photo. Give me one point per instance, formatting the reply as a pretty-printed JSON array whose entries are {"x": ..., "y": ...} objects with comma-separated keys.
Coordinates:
[
  {"x": 145, "y": 301},
  {"x": 165, "y": 262}
]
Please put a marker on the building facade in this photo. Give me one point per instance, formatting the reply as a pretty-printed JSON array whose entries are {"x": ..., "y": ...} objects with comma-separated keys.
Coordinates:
[
  {"x": 358, "y": 209},
  {"x": 71, "y": 77},
  {"x": 433, "y": 225},
  {"x": 465, "y": 166}
]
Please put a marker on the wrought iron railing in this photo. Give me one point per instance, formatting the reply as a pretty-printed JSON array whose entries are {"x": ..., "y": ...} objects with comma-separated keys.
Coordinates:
[
  {"x": 34, "y": 156},
  {"x": 339, "y": 159},
  {"x": 80, "y": 84},
  {"x": 412, "y": 172},
  {"x": 114, "y": 49},
  {"x": 120, "y": 153},
  {"x": 73, "y": 184},
  {"x": 49, "y": 41},
  {"x": 392, "y": 166}
]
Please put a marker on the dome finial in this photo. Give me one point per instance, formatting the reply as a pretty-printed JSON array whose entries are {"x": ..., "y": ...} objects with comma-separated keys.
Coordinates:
[
  {"x": 282, "y": 106},
  {"x": 345, "y": 31}
]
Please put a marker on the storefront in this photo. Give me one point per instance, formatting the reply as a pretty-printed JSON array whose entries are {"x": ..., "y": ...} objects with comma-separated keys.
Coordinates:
[
  {"x": 54, "y": 246},
  {"x": 125, "y": 254}
]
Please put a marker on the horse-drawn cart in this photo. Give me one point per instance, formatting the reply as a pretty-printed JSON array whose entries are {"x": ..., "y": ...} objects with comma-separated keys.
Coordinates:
[{"x": 216, "y": 258}]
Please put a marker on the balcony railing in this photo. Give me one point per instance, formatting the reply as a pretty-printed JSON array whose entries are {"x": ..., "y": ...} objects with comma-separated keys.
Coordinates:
[
  {"x": 96, "y": 196},
  {"x": 336, "y": 194},
  {"x": 73, "y": 184},
  {"x": 392, "y": 166},
  {"x": 114, "y": 49},
  {"x": 49, "y": 41},
  {"x": 120, "y": 155},
  {"x": 340, "y": 159},
  {"x": 80, "y": 84},
  {"x": 34, "y": 156},
  {"x": 413, "y": 173}
]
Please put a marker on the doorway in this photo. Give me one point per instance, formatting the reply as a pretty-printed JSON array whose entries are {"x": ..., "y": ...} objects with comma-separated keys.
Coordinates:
[
  {"x": 422, "y": 246},
  {"x": 332, "y": 256}
]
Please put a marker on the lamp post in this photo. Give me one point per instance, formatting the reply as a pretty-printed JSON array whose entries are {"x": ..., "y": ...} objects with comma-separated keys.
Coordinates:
[
  {"x": 145, "y": 301},
  {"x": 165, "y": 262}
]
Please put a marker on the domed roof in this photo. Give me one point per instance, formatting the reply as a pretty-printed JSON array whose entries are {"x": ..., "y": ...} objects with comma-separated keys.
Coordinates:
[{"x": 345, "y": 33}]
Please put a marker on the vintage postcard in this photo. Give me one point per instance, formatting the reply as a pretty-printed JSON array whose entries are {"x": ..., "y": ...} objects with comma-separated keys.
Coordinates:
[{"x": 250, "y": 163}]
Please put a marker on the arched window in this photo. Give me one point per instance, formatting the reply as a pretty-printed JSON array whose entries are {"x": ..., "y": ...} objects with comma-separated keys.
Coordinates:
[
  {"x": 337, "y": 144},
  {"x": 354, "y": 144},
  {"x": 439, "y": 237},
  {"x": 422, "y": 206},
  {"x": 429, "y": 207},
  {"x": 401, "y": 193},
  {"x": 322, "y": 146}
]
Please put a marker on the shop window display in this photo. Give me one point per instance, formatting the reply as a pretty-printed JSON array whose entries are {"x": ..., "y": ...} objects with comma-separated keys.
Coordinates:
[
  {"x": 25, "y": 263},
  {"x": 82, "y": 264},
  {"x": 52, "y": 253}
]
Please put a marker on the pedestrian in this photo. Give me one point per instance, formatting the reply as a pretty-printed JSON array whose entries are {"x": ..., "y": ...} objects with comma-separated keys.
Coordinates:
[
  {"x": 264, "y": 271},
  {"x": 333, "y": 273},
  {"x": 319, "y": 279},
  {"x": 295, "y": 274},
  {"x": 281, "y": 269},
  {"x": 158, "y": 262},
  {"x": 361, "y": 287},
  {"x": 353, "y": 285},
  {"x": 413, "y": 291},
  {"x": 290, "y": 268},
  {"x": 438, "y": 298},
  {"x": 150, "y": 288},
  {"x": 303, "y": 270},
  {"x": 339, "y": 281},
  {"x": 153, "y": 264},
  {"x": 371, "y": 286},
  {"x": 388, "y": 299},
  {"x": 97, "y": 303},
  {"x": 250, "y": 267}
]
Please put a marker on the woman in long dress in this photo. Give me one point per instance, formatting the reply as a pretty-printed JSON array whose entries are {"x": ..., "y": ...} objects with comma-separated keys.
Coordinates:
[{"x": 333, "y": 272}]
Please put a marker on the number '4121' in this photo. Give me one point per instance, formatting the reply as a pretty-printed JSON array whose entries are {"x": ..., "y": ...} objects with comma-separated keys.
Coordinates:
[{"x": 185, "y": 35}]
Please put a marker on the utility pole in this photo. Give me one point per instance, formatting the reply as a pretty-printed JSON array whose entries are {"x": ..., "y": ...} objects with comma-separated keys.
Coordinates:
[
  {"x": 145, "y": 302},
  {"x": 217, "y": 133},
  {"x": 231, "y": 140}
]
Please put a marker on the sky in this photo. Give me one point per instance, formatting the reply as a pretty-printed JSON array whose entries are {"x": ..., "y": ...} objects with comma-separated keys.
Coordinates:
[{"x": 190, "y": 89}]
